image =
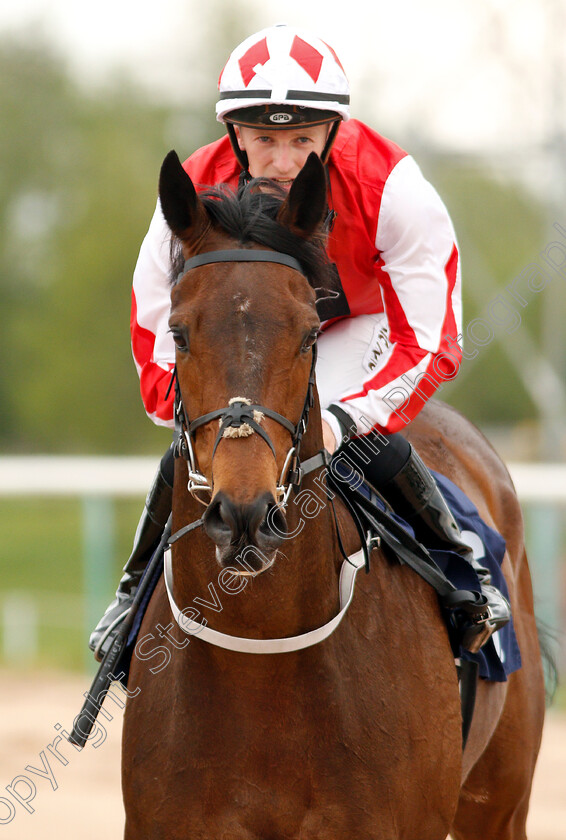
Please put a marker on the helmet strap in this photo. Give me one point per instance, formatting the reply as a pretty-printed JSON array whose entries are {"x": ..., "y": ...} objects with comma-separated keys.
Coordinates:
[
  {"x": 241, "y": 156},
  {"x": 330, "y": 140}
]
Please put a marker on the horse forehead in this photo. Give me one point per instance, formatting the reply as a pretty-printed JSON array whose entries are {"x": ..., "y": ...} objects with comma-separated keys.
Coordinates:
[
  {"x": 264, "y": 283},
  {"x": 264, "y": 291}
]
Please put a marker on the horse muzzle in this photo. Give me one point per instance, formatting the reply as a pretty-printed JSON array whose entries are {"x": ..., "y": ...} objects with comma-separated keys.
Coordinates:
[{"x": 247, "y": 536}]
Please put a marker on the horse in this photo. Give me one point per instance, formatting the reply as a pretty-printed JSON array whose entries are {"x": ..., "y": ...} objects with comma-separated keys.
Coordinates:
[{"x": 360, "y": 733}]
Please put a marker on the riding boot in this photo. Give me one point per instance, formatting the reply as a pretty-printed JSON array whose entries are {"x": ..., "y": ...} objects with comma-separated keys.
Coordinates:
[
  {"x": 148, "y": 534},
  {"x": 414, "y": 494}
]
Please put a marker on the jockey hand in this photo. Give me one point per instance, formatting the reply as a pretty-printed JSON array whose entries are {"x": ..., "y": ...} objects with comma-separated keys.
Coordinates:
[{"x": 328, "y": 438}]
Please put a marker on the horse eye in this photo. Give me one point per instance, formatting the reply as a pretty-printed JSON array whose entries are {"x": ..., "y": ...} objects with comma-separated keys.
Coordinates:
[
  {"x": 309, "y": 341},
  {"x": 181, "y": 339}
]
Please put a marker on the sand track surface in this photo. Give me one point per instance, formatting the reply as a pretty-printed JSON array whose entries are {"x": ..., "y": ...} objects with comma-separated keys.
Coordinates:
[{"x": 82, "y": 797}]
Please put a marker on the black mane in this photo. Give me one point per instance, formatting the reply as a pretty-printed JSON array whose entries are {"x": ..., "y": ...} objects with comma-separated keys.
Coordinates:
[{"x": 250, "y": 217}]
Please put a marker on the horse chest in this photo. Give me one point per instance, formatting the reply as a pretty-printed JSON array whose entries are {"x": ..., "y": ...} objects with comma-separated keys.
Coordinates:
[{"x": 299, "y": 750}]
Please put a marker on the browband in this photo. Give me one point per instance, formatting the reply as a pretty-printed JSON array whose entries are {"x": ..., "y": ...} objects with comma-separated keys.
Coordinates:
[{"x": 241, "y": 255}]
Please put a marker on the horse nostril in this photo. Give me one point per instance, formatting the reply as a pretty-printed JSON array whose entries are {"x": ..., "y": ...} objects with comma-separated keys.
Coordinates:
[
  {"x": 265, "y": 526},
  {"x": 218, "y": 523},
  {"x": 260, "y": 523},
  {"x": 273, "y": 529}
]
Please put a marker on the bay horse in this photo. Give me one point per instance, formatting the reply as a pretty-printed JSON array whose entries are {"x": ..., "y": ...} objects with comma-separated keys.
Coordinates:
[{"x": 358, "y": 735}]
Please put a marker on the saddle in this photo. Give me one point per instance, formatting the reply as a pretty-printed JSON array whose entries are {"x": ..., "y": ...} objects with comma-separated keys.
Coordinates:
[{"x": 450, "y": 575}]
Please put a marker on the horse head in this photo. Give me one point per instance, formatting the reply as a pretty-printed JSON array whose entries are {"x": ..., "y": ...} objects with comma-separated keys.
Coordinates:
[{"x": 244, "y": 320}]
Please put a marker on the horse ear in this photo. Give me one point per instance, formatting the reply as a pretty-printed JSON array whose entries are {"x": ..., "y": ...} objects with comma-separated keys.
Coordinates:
[
  {"x": 305, "y": 207},
  {"x": 182, "y": 208}
]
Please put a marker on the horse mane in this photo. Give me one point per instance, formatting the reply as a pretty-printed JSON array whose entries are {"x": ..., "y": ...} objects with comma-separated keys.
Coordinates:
[{"x": 250, "y": 217}]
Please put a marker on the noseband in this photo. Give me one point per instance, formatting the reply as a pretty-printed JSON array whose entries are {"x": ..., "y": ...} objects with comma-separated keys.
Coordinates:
[{"x": 240, "y": 413}]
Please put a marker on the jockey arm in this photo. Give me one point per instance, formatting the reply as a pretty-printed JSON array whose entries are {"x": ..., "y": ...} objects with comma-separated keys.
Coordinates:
[
  {"x": 407, "y": 354},
  {"x": 153, "y": 348}
]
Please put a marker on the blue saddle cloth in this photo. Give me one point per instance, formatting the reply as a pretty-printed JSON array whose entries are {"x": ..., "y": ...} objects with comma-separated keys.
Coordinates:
[{"x": 500, "y": 656}]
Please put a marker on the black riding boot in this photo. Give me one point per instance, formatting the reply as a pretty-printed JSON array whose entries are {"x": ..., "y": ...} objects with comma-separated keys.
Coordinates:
[
  {"x": 148, "y": 534},
  {"x": 414, "y": 494}
]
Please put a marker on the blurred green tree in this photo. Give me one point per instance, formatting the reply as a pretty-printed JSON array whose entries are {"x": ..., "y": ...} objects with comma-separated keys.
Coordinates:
[{"x": 78, "y": 184}]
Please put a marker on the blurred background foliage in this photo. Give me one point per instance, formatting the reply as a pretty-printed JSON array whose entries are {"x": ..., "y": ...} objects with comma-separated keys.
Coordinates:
[{"x": 77, "y": 186}]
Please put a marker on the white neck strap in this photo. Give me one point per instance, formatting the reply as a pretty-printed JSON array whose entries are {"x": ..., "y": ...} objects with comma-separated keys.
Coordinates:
[{"x": 286, "y": 645}]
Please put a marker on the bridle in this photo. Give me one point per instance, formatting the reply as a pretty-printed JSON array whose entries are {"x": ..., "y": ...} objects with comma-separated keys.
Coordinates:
[
  {"x": 240, "y": 413},
  {"x": 235, "y": 416}
]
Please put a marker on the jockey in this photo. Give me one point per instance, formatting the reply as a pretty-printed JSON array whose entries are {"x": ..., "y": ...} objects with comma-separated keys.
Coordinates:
[{"x": 388, "y": 339}]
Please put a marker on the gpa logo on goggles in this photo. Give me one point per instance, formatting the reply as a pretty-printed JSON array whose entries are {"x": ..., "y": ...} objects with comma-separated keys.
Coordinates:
[{"x": 281, "y": 118}]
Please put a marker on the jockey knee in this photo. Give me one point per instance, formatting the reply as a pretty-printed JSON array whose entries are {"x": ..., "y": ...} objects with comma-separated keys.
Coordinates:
[{"x": 378, "y": 458}]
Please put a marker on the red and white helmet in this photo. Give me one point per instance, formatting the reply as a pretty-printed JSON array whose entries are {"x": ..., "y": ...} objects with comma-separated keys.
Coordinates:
[{"x": 282, "y": 77}]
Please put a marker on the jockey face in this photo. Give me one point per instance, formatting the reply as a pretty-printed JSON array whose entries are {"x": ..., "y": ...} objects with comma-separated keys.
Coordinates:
[{"x": 280, "y": 154}]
